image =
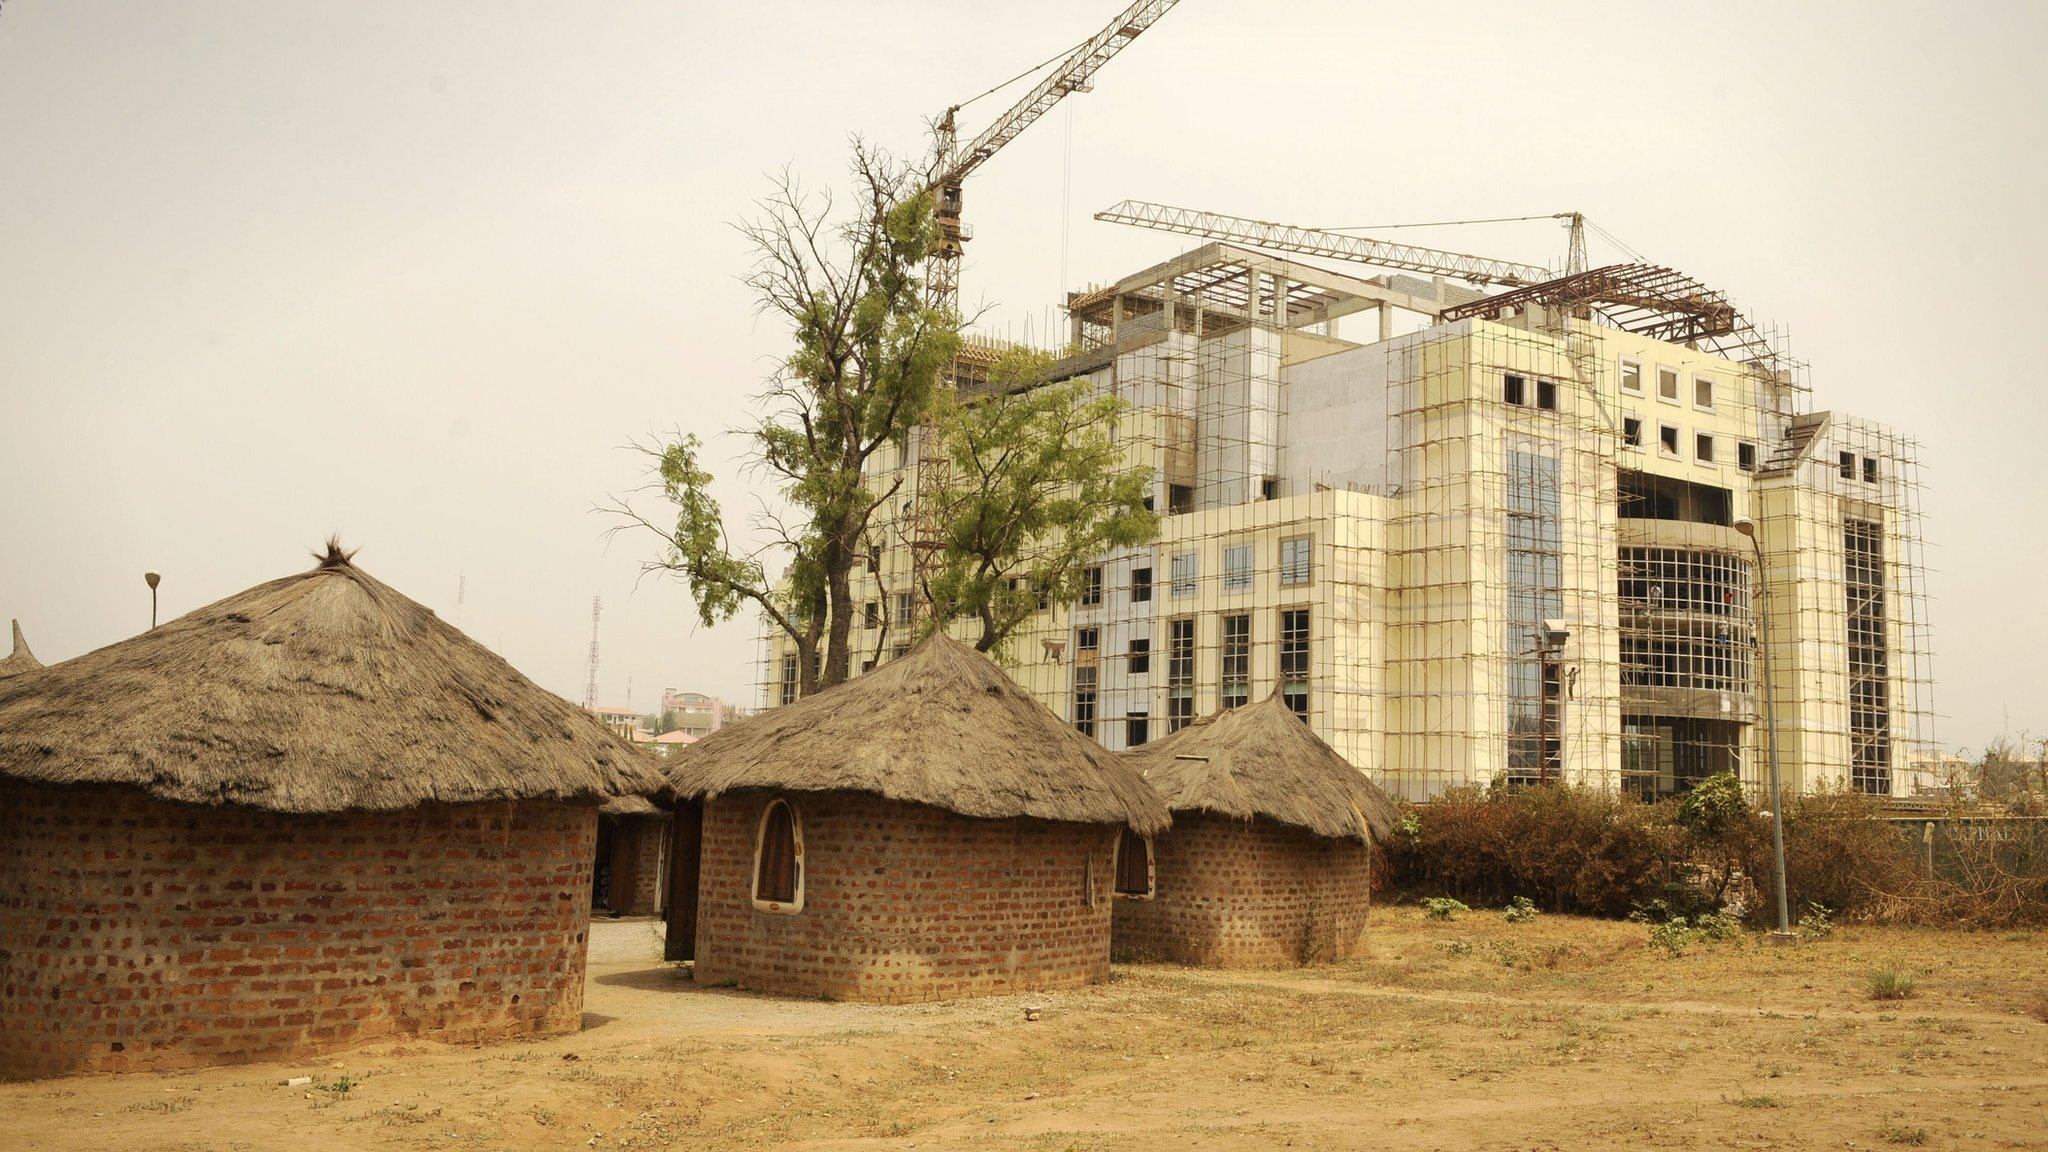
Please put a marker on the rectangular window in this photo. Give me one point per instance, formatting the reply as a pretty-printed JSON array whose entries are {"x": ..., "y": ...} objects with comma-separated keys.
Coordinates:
[
  {"x": 1703, "y": 448},
  {"x": 1632, "y": 431},
  {"x": 871, "y": 614},
  {"x": 1183, "y": 573},
  {"x": 1667, "y": 384},
  {"x": 1513, "y": 389},
  {"x": 1870, "y": 714},
  {"x": 1703, "y": 391},
  {"x": 1269, "y": 488},
  {"x": 1870, "y": 469},
  {"x": 1294, "y": 659},
  {"x": 1237, "y": 660},
  {"x": 1546, "y": 395},
  {"x": 1087, "y": 640},
  {"x": 787, "y": 695},
  {"x": 1180, "y": 673},
  {"x": 1180, "y": 498},
  {"x": 1091, "y": 586},
  {"x": 1295, "y": 564},
  {"x": 1084, "y": 699},
  {"x": 1845, "y": 463},
  {"x": 906, "y": 609},
  {"x": 1667, "y": 439},
  {"x": 1631, "y": 377},
  {"x": 1137, "y": 729},
  {"x": 1745, "y": 456},
  {"x": 1237, "y": 567},
  {"x": 1141, "y": 585},
  {"x": 1534, "y": 584},
  {"x": 1139, "y": 658}
]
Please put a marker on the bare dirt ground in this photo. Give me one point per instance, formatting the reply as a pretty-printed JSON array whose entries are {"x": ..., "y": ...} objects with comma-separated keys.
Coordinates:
[{"x": 1555, "y": 1034}]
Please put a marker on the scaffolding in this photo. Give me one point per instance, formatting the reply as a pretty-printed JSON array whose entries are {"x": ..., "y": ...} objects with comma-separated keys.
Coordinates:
[{"x": 1505, "y": 547}]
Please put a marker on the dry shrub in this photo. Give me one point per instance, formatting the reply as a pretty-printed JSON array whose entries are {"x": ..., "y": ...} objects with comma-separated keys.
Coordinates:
[
  {"x": 1569, "y": 849},
  {"x": 1838, "y": 854}
]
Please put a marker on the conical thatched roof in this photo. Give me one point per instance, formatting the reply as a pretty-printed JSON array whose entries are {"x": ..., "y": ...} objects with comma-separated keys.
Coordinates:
[
  {"x": 21, "y": 659},
  {"x": 321, "y": 692},
  {"x": 1261, "y": 760},
  {"x": 941, "y": 725}
]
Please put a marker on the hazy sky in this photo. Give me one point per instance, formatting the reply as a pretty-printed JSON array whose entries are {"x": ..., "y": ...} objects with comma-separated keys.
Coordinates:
[{"x": 415, "y": 272}]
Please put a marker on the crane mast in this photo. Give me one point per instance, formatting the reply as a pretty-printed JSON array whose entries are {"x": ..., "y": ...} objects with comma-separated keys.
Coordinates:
[
  {"x": 1478, "y": 270},
  {"x": 952, "y": 163}
]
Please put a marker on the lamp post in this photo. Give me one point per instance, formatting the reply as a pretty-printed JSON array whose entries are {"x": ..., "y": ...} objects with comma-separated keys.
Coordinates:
[
  {"x": 152, "y": 579},
  {"x": 1763, "y": 631}
]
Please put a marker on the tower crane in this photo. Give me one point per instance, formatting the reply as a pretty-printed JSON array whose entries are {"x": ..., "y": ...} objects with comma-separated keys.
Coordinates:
[
  {"x": 1477, "y": 270},
  {"x": 952, "y": 163}
]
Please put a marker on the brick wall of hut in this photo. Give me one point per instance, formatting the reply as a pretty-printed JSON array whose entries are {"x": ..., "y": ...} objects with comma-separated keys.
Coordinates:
[
  {"x": 1237, "y": 893},
  {"x": 903, "y": 902},
  {"x": 138, "y": 934}
]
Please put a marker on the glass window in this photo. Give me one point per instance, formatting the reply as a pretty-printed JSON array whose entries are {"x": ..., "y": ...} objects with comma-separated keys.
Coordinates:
[
  {"x": 1294, "y": 654},
  {"x": 1141, "y": 584},
  {"x": 1513, "y": 389},
  {"x": 1087, "y": 639},
  {"x": 787, "y": 695},
  {"x": 1294, "y": 559},
  {"x": 1091, "y": 586},
  {"x": 1084, "y": 699},
  {"x": 906, "y": 609},
  {"x": 1183, "y": 573},
  {"x": 1237, "y": 567},
  {"x": 1237, "y": 660},
  {"x": 1137, "y": 729},
  {"x": 1140, "y": 656},
  {"x": 1180, "y": 673},
  {"x": 1846, "y": 464}
]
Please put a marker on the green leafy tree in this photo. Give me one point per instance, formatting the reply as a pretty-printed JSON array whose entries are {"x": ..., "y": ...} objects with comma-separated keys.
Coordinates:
[
  {"x": 869, "y": 354},
  {"x": 1717, "y": 817},
  {"x": 1030, "y": 486}
]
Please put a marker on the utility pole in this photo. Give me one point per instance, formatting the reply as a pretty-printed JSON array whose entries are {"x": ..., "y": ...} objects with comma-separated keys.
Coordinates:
[{"x": 590, "y": 688}]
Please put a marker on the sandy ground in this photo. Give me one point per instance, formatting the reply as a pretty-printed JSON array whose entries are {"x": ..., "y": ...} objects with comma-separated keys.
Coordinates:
[{"x": 1476, "y": 1033}]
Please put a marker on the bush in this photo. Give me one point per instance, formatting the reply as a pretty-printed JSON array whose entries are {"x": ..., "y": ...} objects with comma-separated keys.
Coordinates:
[
  {"x": 1442, "y": 908},
  {"x": 1890, "y": 984},
  {"x": 1520, "y": 911},
  {"x": 1573, "y": 849}
]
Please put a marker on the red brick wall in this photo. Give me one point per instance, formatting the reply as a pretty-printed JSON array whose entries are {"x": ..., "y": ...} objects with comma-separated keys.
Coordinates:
[
  {"x": 904, "y": 902},
  {"x": 1236, "y": 893},
  {"x": 136, "y": 933}
]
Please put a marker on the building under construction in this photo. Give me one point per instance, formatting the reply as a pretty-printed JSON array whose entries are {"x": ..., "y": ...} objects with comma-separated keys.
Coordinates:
[{"x": 1537, "y": 538}]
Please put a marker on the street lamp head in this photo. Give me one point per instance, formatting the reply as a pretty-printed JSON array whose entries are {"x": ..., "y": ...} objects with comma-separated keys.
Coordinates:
[
  {"x": 151, "y": 579},
  {"x": 1747, "y": 527}
]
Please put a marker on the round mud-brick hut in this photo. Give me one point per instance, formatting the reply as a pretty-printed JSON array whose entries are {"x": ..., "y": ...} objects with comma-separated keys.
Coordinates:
[
  {"x": 1269, "y": 859},
  {"x": 926, "y": 830},
  {"x": 308, "y": 815}
]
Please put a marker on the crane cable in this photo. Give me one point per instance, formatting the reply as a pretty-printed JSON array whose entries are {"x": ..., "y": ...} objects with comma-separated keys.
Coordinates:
[{"x": 1040, "y": 66}]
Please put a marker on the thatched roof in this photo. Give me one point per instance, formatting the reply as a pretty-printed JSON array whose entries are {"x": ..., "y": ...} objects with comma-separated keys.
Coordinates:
[
  {"x": 630, "y": 806},
  {"x": 321, "y": 692},
  {"x": 21, "y": 659},
  {"x": 1261, "y": 760},
  {"x": 940, "y": 725}
]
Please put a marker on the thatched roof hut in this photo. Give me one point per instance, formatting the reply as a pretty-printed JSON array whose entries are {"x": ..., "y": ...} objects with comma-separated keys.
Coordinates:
[
  {"x": 326, "y": 691},
  {"x": 21, "y": 659},
  {"x": 1261, "y": 760},
  {"x": 941, "y": 725}
]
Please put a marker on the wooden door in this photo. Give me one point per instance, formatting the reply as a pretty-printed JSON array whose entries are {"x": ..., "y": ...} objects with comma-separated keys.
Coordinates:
[{"x": 685, "y": 852}]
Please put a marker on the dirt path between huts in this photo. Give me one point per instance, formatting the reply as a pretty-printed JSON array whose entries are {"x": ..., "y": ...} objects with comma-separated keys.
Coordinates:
[{"x": 1475, "y": 1033}]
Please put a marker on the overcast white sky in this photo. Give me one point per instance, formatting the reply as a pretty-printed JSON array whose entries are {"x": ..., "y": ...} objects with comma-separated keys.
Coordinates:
[{"x": 413, "y": 273}]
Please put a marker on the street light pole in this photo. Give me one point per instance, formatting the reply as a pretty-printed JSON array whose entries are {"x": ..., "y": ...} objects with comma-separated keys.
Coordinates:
[
  {"x": 151, "y": 579},
  {"x": 1763, "y": 632}
]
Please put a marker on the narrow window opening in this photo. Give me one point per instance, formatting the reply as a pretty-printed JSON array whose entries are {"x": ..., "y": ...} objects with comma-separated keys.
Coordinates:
[
  {"x": 1745, "y": 456},
  {"x": 1667, "y": 384},
  {"x": 1141, "y": 585},
  {"x": 1091, "y": 586},
  {"x": 1846, "y": 464},
  {"x": 1512, "y": 389},
  {"x": 1546, "y": 395},
  {"x": 778, "y": 860},
  {"x": 1632, "y": 431},
  {"x": 1140, "y": 656},
  {"x": 1667, "y": 439},
  {"x": 1631, "y": 377},
  {"x": 1137, "y": 729},
  {"x": 1703, "y": 448},
  {"x": 1703, "y": 391},
  {"x": 1180, "y": 498},
  {"x": 1133, "y": 865},
  {"x": 1870, "y": 469}
]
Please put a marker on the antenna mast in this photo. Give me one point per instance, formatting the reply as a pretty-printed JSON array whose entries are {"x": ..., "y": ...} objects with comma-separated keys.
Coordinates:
[{"x": 590, "y": 688}]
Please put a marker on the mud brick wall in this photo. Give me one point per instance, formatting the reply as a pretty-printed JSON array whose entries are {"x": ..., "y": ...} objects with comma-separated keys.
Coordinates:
[
  {"x": 639, "y": 848},
  {"x": 140, "y": 934},
  {"x": 1237, "y": 893},
  {"x": 903, "y": 902}
]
